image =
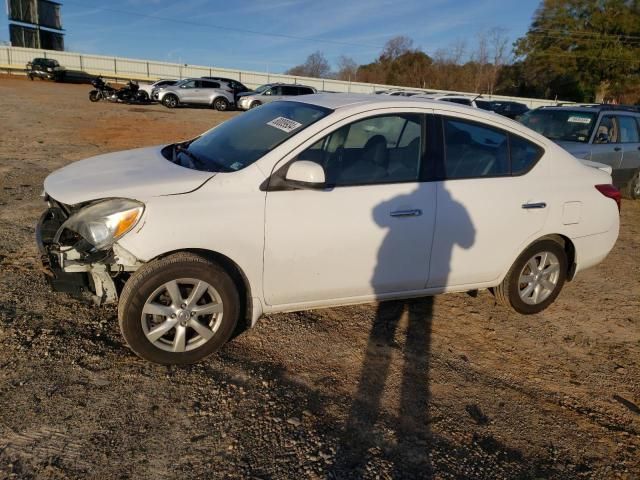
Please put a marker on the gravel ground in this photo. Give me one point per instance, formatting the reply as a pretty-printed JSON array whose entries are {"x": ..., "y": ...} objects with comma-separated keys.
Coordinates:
[{"x": 450, "y": 387}]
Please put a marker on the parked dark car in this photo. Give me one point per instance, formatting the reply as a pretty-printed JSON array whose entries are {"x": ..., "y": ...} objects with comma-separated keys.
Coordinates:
[
  {"x": 45, "y": 68},
  {"x": 506, "y": 108},
  {"x": 236, "y": 86}
]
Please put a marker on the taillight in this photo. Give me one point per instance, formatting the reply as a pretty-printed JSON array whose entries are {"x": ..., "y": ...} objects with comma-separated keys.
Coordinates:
[{"x": 611, "y": 192}]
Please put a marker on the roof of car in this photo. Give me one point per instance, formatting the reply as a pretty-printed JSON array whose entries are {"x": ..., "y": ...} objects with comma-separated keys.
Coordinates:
[
  {"x": 594, "y": 108},
  {"x": 341, "y": 100}
]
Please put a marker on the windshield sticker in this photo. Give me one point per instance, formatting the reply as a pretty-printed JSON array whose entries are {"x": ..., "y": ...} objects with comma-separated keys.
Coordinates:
[
  {"x": 576, "y": 119},
  {"x": 285, "y": 124},
  {"x": 236, "y": 166}
]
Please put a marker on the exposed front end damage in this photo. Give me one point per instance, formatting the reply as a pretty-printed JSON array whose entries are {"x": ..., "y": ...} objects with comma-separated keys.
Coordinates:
[{"x": 72, "y": 265}]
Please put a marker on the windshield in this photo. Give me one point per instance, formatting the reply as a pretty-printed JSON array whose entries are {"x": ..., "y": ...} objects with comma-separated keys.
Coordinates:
[
  {"x": 262, "y": 88},
  {"x": 561, "y": 124},
  {"x": 237, "y": 143}
]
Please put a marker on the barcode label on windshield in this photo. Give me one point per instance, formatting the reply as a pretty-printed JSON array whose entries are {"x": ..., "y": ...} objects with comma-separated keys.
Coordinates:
[
  {"x": 285, "y": 124},
  {"x": 576, "y": 119}
]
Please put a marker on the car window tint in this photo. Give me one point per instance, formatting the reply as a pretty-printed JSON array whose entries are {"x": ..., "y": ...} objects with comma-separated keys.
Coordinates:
[
  {"x": 305, "y": 91},
  {"x": 384, "y": 149},
  {"x": 289, "y": 91},
  {"x": 524, "y": 154},
  {"x": 628, "y": 130},
  {"x": 474, "y": 150},
  {"x": 461, "y": 101}
]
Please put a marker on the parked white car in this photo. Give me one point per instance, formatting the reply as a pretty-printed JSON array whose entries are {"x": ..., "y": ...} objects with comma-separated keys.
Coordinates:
[
  {"x": 459, "y": 99},
  {"x": 149, "y": 87},
  {"x": 319, "y": 201}
]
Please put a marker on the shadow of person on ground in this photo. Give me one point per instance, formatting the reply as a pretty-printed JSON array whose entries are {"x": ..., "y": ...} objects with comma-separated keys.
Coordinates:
[{"x": 363, "y": 435}]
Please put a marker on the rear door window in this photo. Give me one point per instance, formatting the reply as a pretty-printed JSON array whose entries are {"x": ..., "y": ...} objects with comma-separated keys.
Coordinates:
[
  {"x": 289, "y": 90},
  {"x": 473, "y": 150},
  {"x": 628, "y": 129}
]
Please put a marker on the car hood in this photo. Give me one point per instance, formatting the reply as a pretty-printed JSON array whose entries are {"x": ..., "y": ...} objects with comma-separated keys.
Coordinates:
[{"x": 137, "y": 174}]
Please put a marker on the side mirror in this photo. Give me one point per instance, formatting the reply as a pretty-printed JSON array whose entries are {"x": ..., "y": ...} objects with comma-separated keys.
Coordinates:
[
  {"x": 305, "y": 174},
  {"x": 268, "y": 92}
]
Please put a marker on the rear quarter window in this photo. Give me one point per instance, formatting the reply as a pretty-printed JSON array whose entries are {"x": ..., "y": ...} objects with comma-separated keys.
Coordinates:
[{"x": 524, "y": 154}]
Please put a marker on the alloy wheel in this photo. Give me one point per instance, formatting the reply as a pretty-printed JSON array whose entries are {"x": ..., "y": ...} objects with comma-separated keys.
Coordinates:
[
  {"x": 182, "y": 315},
  {"x": 539, "y": 278}
]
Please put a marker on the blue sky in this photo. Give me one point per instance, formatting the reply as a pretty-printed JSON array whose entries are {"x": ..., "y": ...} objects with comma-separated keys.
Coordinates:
[{"x": 92, "y": 26}]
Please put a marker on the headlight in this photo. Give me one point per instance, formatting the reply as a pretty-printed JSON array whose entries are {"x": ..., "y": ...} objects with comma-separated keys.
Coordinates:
[{"x": 101, "y": 224}]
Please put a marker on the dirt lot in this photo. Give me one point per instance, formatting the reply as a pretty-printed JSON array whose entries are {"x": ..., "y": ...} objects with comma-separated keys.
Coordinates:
[{"x": 456, "y": 387}]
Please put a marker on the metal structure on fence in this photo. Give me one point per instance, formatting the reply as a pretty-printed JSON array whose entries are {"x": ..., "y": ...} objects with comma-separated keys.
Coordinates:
[
  {"x": 39, "y": 24},
  {"x": 15, "y": 59}
]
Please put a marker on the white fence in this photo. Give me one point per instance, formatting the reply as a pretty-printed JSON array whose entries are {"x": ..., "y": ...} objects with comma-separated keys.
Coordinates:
[{"x": 15, "y": 59}]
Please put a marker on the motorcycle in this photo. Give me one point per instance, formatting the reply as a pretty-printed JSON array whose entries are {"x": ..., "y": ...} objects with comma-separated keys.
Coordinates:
[
  {"x": 102, "y": 90},
  {"x": 130, "y": 93}
]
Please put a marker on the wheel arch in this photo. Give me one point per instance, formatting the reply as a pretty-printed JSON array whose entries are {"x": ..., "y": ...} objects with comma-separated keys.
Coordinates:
[
  {"x": 238, "y": 276},
  {"x": 569, "y": 250}
]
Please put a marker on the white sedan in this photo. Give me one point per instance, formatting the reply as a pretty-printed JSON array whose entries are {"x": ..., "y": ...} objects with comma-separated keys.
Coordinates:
[{"x": 319, "y": 201}]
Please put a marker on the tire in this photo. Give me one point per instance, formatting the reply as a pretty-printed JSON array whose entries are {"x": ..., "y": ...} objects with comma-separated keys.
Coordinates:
[
  {"x": 148, "y": 290},
  {"x": 30, "y": 77},
  {"x": 632, "y": 188},
  {"x": 170, "y": 101},
  {"x": 221, "y": 104},
  {"x": 95, "y": 96},
  {"x": 512, "y": 292},
  {"x": 254, "y": 104},
  {"x": 142, "y": 96}
]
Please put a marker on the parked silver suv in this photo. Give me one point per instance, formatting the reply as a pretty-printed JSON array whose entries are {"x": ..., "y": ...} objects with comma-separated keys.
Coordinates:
[
  {"x": 608, "y": 134},
  {"x": 196, "y": 91},
  {"x": 270, "y": 93}
]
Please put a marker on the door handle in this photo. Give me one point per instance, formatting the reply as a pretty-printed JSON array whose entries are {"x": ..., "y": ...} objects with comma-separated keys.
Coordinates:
[
  {"x": 534, "y": 205},
  {"x": 617, "y": 149},
  {"x": 407, "y": 213}
]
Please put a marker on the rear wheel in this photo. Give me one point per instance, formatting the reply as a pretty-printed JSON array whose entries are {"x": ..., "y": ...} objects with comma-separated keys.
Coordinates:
[
  {"x": 221, "y": 104},
  {"x": 170, "y": 101},
  {"x": 179, "y": 309},
  {"x": 142, "y": 96},
  {"x": 632, "y": 189},
  {"x": 535, "y": 279}
]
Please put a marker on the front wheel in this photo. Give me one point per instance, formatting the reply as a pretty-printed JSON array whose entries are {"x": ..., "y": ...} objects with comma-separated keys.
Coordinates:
[
  {"x": 221, "y": 104},
  {"x": 254, "y": 104},
  {"x": 95, "y": 96},
  {"x": 535, "y": 279},
  {"x": 170, "y": 101},
  {"x": 179, "y": 309}
]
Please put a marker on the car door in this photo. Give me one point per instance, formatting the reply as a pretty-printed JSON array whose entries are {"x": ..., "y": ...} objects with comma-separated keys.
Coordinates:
[
  {"x": 491, "y": 201},
  {"x": 606, "y": 147},
  {"x": 630, "y": 140},
  {"x": 188, "y": 91},
  {"x": 203, "y": 91},
  {"x": 271, "y": 95},
  {"x": 369, "y": 232}
]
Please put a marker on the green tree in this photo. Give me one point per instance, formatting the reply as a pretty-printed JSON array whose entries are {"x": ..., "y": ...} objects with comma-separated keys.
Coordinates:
[{"x": 582, "y": 49}]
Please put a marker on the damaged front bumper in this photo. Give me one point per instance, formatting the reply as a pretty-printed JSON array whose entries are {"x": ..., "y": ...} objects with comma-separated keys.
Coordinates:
[{"x": 90, "y": 276}]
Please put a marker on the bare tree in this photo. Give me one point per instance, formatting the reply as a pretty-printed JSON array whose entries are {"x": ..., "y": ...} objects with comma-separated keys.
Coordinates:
[
  {"x": 347, "y": 69},
  {"x": 395, "y": 47},
  {"x": 316, "y": 65},
  {"x": 498, "y": 45}
]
